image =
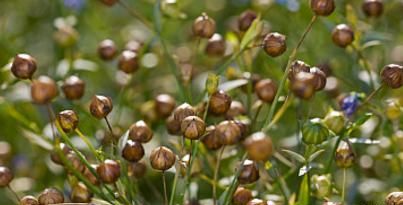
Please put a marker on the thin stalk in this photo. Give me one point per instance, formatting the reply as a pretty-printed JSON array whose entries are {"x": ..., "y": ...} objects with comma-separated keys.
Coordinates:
[
  {"x": 371, "y": 95},
  {"x": 164, "y": 183},
  {"x": 173, "y": 192},
  {"x": 284, "y": 78},
  {"x": 14, "y": 193},
  {"x": 217, "y": 168},
  {"x": 365, "y": 65},
  {"x": 113, "y": 136},
  {"x": 257, "y": 115},
  {"x": 206, "y": 110},
  {"x": 136, "y": 15},
  {"x": 231, "y": 189},
  {"x": 51, "y": 120},
  {"x": 344, "y": 186},
  {"x": 330, "y": 161},
  {"x": 88, "y": 143}
]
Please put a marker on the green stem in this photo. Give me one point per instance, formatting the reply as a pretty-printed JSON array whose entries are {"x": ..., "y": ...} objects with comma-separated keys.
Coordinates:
[
  {"x": 231, "y": 189},
  {"x": 164, "y": 183},
  {"x": 365, "y": 65},
  {"x": 330, "y": 160},
  {"x": 217, "y": 168},
  {"x": 284, "y": 78},
  {"x": 88, "y": 143},
  {"x": 344, "y": 186},
  {"x": 133, "y": 13},
  {"x": 14, "y": 193},
  {"x": 173, "y": 192},
  {"x": 112, "y": 135}
]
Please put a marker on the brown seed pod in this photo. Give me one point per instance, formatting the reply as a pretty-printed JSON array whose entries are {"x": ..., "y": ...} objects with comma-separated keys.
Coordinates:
[
  {"x": 55, "y": 157},
  {"x": 211, "y": 140},
  {"x": 73, "y": 88},
  {"x": 23, "y": 66},
  {"x": 394, "y": 198},
  {"x": 109, "y": 171},
  {"x": 204, "y": 26},
  {"x": 133, "y": 151},
  {"x": 90, "y": 176},
  {"x": 109, "y": 2},
  {"x": 100, "y": 106},
  {"x": 29, "y": 200},
  {"x": 249, "y": 172},
  {"x": 323, "y": 7},
  {"x": 173, "y": 126},
  {"x": 137, "y": 169},
  {"x": 392, "y": 75},
  {"x": 133, "y": 45},
  {"x": 193, "y": 127},
  {"x": 244, "y": 126},
  {"x": 236, "y": 109},
  {"x": 274, "y": 44},
  {"x": 372, "y": 8},
  {"x": 5, "y": 176},
  {"x": 228, "y": 132},
  {"x": 344, "y": 155},
  {"x": 342, "y": 35},
  {"x": 75, "y": 161},
  {"x": 80, "y": 194},
  {"x": 162, "y": 158},
  {"x": 325, "y": 68},
  {"x": 257, "y": 202},
  {"x": 68, "y": 120},
  {"x": 303, "y": 85},
  {"x": 259, "y": 146},
  {"x": 332, "y": 87},
  {"x": 215, "y": 46},
  {"x": 128, "y": 62},
  {"x": 297, "y": 67},
  {"x": 241, "y": 196},
  {"x": 319, "y": 78},
  {"x": 219, "y": 103},
  {"x": 253, "y": 78},
  {"x": 107, "y": 49},
  {"x": 164, "y": 105},
  {"x": 43, "y": 90},
  {"x": 50, "y": 196},
  {"x": 266, "y": 90},
  {"x": 246, "y": 19},
  {"x": 183, "y": 111},
  {"x": 140, "y": 132}
]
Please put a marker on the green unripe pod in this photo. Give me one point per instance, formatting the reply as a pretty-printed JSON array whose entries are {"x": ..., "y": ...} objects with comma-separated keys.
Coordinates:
[
  {"x": 321, "y": 185},
  {"x": 335, "y": 121},
  {"x": 314, "y": 132}
]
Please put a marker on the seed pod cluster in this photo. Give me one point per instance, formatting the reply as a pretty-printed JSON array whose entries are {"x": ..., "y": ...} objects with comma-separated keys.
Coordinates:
[
  {"x": 249, "y": 172},
  {"x": 100, "y": 106},
  {"x": 68, "y": 120},
  {"x": 23, "y": 66},
  {"x": 43, "y": 90},
  {"x": 274, "y": 44},
  {"x": 73, "y": 88},
  {"x": 162, "y": 158},
  {"x": 220, "y": 103},
  {"x": 204, "y": 26},
  {"x": 108, "y": 171}
]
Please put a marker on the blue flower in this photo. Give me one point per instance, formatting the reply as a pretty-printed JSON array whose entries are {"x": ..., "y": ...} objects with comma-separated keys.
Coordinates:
[
  {"x": 74, "y": 4},
  {"x": 349, "y": 104}
]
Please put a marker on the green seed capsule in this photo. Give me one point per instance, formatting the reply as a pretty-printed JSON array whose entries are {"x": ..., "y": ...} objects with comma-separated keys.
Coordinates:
[
  {"x": 314, "y": 132},
  {"x": 335, "y": 121}
]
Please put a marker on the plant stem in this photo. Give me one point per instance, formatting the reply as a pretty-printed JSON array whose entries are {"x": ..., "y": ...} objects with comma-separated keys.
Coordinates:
[
  {"x": 329, "y": 162},
  {"x": 133, "y": 13},
  {"x": 344, "y": 186},
  {"x": 112, "y": 135},
  {"x": 51, "y": 119},
  {"x": 257, "y": 115},
  {"x": 14, "y": 193},
  {"x": 164, "y": 183},
  {"x": 173, "y": 192},
  {"x": 89, "y": 144},
  {"x": 371, "y": 95},
  {"x": 365, "y": 65},
  {"x": 284, "y": 78},
  {"x": 231, "y": 189},
  {"x": 217, "y": 168}
]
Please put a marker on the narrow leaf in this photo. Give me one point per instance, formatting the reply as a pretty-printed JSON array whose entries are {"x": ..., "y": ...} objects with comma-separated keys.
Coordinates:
[
  {"x": 315, "y": 155},
  {"x": 253, "y": 31},
  {"x": 303, "y": 196},
  {"x": 295, "y": 156}
]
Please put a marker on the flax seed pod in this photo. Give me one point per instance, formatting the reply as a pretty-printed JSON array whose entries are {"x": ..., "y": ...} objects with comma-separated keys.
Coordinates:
[
  {"x": 23, "y": 66},
  {"x": 73, "y": 88},
  {"x": 140, "y": 132},
  {"x": 50, "y": 196},
  {"x": 68, "y": 120},
  {"x": 323, "y": 7},
  {"x": 164, "y": 105},
  {"x": 204, "y": 26},
  {"x": 274, "y": 44},
  {"x": 162, "y": 158},
  {"x": 100, "y": 106},
  {"x": 5, "y": 176},
  {"x": 29, "y": 200},
  {"x": 241, "y": 196},
  {"x": 266, "y": 90},
  {"x": 259, "y": 147},
  {"x": 372, "y": 8},
  {"x": 249, "y": 172},
  {"x": 43, "y": 90},
  {"x": 342, "y": 35},
  {"x": 220, "y": 103},
  {"x": 193, "y": 127},
  {"x": 108, "y": 171},
  {"x": 133, "y": 151},
  {"x": 228, "y": 132},
  {"x": 107, "y": 49},
  {"x": 392, "y": 75}
]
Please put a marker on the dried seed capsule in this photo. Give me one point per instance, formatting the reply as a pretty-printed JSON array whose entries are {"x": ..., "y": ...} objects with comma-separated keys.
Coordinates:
[
  {"x": 73, "y": 88},
  {"x": 243, "y": 125},
  {"x": 183, "y": 111},
  {"x": 274, "y": 44},
  {"x": 215, "y": 46},
  {"x": 394, "y": 198},
  {"x": 241, "y": 196},
  {"x": 325, "y": 68},
  {"x": 321, "y": 185},
  {"x": 204, "y": 26},
  {"x": 266, "y": 90},
  {"x": 246, "y": 19},
  {"x": 50, "y": 196},
  {"x": 249, "y": 172},
  {"x": 342, "y": 35},
  {"x": 303, "y": 85},
  {"x": 392, "y": 75},
  {"x": 23, "y": 66},
  {"x": 109, "y": 2},
  {"x": 173, "y": 126},
  {"x": 228, "y": 132},
  {"x": 140, "y": 132},
  {"x": 5, "y": 176},
  {"x": 193, "y": 127},
  {"x": 297, "y": 67},
  {"x": 162, "y": 158},
  {"x": 107, "y": 49},
  {"x": 319, "y": 78},
  {"x": 109, "y": 171},
  {"x": 68, "y": 120},
  {"x": 55, "y": 157},
  {"x": 43, "y": 90},
  {"x": 90, "y": 176},
  {"x": 164, "y": 105},
  {"x": 80, "y": 194},
  {"x": 211, "y": 140},
  {"x": 344, "y": 155},
  {"x": 137, "y": 169},
  {"x": 133, "y": 151},
  {"x": 29, "y": 200},
  {"x": 128, "y": 62},
  {"x": 323, "y": 7},
  {"x": 219, "y": 103},
  {"x": 259, "y": 147},
  {"x": 372, "y": 8},
  {"x": 100, "y": 106},
  {"x": 75, "y": 162},
  {"x": 335, "y": 121},
  {"x": 236, "y": 109},
  {"x": 314, "y": 131}
]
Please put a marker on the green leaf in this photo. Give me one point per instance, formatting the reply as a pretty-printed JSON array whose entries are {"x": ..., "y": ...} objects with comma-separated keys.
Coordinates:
[
  {"x": 38, "y": 140},
  {"x": 254, "y": 30},
  {"x": 295, "y": 156},
  {"x": 363, "y": 119},
  {"x": 230, "y": 85},
  {"x": 303, "y": 196},
  {"x": 315, "y": 155}
]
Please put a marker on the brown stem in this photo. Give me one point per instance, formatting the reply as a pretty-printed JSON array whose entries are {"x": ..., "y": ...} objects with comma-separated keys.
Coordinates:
[{"x": 112, "y": 135}]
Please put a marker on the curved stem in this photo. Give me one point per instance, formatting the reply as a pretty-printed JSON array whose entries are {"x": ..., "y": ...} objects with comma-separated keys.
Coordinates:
[
  {"x": 14, "y": 193},
  {"x": 165, "y": 188},
  {"x": 217, "y": 168},
  {"x": 284, "y": 78},
  {"x": 88, "y": 143},
  {"x": 371, "y": 95}
]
